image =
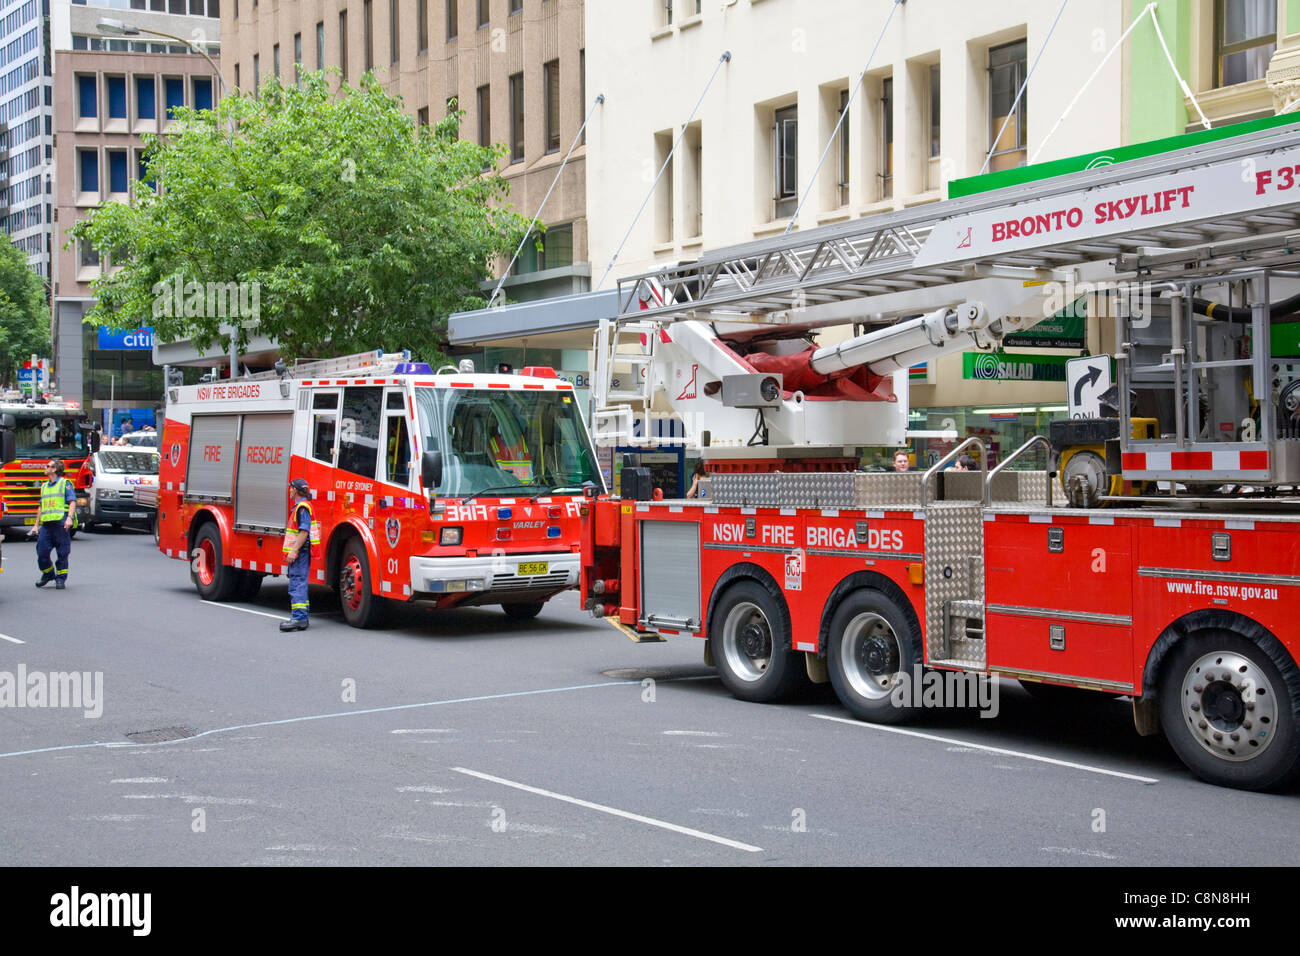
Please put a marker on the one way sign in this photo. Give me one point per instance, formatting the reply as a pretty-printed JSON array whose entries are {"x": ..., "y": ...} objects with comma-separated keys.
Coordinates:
[{"x": 1086, "y": 378}]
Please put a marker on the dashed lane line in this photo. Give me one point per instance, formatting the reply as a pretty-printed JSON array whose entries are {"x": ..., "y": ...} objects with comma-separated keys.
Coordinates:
[
  {"x": 987, "y": 749},
  {"x": 613, "y": 811}
]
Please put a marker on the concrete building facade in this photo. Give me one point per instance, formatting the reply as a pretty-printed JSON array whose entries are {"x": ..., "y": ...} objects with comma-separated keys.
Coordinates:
[
  {"x": 105, "y": 103},
  {"x": 26, "y": 129},
  {"x": 515, "y": 67}
]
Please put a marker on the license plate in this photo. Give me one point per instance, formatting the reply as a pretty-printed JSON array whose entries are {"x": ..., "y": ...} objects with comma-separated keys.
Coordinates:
[
  {"x": 29, "y": 521},
  {"x": 139, "y": 514},
  {"x": 534, "y": 567}
]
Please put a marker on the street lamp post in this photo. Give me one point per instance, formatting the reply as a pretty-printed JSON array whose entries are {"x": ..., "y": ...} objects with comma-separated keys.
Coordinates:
[{"x": 116, "y": 28}]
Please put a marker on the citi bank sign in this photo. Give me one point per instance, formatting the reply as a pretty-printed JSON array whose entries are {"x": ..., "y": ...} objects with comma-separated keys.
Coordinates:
[{"x": 134, "y": 339}]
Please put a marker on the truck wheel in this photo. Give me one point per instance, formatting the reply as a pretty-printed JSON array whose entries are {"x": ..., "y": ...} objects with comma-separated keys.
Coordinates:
[
  {"x": 873, "y": 646},
  {"x": 522, "y": 612},
  {"x": 750, "y": 641},
  {"x": 1228, "y": 709},
  {"x": 250, "y": 583},
  {"x": 361, "y": 608},
  {"x": 156, "y": 536},
  {"x": 213, "y": 580}
]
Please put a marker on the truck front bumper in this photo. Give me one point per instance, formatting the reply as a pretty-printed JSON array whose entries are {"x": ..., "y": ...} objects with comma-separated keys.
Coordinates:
[{"x": 498, "y": 578}]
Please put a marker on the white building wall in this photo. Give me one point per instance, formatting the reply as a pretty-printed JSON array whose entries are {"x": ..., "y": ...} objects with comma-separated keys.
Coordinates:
[{"x": 786, "y": 51}]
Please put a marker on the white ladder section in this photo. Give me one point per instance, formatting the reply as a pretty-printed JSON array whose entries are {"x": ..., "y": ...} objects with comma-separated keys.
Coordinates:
[
  {"x": 1213, "y": 192},
  {"x": 621, "y": 382},
  {"x": 360, "y": 364}
]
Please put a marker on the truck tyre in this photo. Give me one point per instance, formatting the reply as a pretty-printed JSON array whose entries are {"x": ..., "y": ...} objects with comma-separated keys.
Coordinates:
[
  {"x": 522, "y": 612},
  {"x": 361, "y": 607},
  {"x": 213, "y": 580},
  {"x": 872, "y": 646},
  {"x": 749, "y": 637},
  {"x": 1228, "y": 708},
  {"x": 250, "y": 583},
  {"x": 154, "y": 528}
]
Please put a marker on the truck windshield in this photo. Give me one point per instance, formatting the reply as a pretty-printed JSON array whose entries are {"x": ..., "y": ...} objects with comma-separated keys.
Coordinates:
[
  {"x": 501, "y": 440},
  {"x": 129, "y": 462},
  {"x": 48, "y": 435}
]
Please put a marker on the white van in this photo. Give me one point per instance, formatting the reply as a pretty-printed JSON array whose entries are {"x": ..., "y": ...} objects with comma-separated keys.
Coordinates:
[{"x": 115, "y": 473}]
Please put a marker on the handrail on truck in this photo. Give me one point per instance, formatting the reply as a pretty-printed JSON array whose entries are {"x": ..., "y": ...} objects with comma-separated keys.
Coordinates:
[
  {"x": 1034, "y": 439},
  {"x": 984, "y": 464}
]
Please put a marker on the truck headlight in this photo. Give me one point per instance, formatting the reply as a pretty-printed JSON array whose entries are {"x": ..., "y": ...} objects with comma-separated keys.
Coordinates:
[
  {"x": 450, "y": 535},
  {"x": 105, "y": 493}
]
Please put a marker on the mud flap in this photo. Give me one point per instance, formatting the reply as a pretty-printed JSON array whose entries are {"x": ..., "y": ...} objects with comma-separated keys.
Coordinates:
[{"x": 1146, "y": 716}]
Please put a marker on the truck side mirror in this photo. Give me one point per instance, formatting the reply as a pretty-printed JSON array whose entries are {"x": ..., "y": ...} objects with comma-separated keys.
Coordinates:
[
  {"x": 92, "y": 436},
  {"x": 8, "y": 440},
  {"x": 431, "y": 469}
]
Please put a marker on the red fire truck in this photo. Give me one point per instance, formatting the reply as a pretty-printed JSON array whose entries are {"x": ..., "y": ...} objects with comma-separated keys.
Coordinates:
[
  {"x": 31, "y": 435},
  {"x": 454, "y": 488},
  {"x": 1157, "y": 556}
]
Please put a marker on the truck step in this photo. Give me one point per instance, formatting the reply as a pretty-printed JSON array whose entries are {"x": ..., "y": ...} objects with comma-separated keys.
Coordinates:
[{"x": 632, "y": 634}]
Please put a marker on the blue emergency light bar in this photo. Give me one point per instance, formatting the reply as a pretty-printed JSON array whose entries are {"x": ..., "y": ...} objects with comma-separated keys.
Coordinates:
[{"x": 413, "y": 368}]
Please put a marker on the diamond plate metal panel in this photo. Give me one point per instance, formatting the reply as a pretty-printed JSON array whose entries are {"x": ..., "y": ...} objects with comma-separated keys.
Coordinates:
[
  {"x": 810, "y": 490},
  {"x": 954, "y": 534},
  {"x": 886, "y": 489}
]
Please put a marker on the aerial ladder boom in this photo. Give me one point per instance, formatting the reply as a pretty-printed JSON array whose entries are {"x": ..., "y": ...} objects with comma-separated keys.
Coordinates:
[{"x": 725, "y": 341}]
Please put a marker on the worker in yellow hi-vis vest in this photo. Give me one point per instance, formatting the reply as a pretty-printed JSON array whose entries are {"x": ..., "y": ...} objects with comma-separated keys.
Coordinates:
[
  {"x": 58, "y": 516},
  {"x": 301, "y": 537}
]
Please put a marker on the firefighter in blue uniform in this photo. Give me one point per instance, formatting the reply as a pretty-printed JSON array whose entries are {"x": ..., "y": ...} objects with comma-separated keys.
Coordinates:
[
  {"x": 57, "y": 518},
  {"x": 297, "y": 550}
]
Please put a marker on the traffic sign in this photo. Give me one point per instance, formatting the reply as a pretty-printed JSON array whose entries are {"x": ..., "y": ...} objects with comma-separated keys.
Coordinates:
[{"x": 1086, "y": 379}]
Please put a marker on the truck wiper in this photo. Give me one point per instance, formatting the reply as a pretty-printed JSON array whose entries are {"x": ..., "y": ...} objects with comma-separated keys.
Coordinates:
[{"x": 483, "y": 491}]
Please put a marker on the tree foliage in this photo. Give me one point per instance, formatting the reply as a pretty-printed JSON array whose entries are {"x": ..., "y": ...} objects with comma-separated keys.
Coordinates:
[
  {"x": 24, "y": 312},
  {"x": 344, "y": 226}
]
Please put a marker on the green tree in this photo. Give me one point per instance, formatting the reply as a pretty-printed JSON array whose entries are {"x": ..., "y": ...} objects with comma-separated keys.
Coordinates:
[
  {"x": 24, "y": 312},
  {"x": 343, "y": 225}
]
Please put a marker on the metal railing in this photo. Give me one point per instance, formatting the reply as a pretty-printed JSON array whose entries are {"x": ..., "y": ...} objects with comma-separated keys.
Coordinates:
[
  {"x": 938, "y": 465},
  {"x": 988, "y": 480}
]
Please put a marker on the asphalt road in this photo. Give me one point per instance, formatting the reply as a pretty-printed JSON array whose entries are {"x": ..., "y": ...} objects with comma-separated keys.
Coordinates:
[{"x": 466, "y": 738}]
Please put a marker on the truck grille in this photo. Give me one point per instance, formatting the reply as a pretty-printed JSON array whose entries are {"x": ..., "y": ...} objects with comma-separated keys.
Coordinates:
[
  {"x": 20, "y": 488},
  {"x": 532, "y": 582}
]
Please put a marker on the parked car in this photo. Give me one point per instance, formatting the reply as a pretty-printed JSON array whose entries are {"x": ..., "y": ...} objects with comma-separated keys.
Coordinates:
[
  {"x": 108, "y": 495},
  {"x": 141, "y": 439}
]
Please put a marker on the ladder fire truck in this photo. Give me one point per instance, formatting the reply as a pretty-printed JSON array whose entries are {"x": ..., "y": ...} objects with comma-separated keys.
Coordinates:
[
  {"x": 1157, "y": 556},
  {"x": 32, "y": 434},
  {"x": 456, "y": 488}
]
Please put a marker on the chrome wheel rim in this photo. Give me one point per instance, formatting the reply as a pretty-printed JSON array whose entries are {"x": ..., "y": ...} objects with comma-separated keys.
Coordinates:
[
  {"x": 870, "y": 656},
  {"x": 747, "y": 641},
  {"x": 1229, "y": 705}
]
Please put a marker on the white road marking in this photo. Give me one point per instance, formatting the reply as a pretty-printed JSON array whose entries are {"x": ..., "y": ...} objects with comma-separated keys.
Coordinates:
[
  {"x": 693, "y": 733},
  {"x": 698, "y": 834},
  {"x": 11, "y": 640},
  {"x": 246, "y": 610},
  {"x": 141, "y": 780},
  {"x": 986, "y": 749},
  {"x": 426, "y": 789},
  {"x": 1074, "y": 851},
  {"x": 335, "y": 715},
  {"x": 430, "y": 730}
]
